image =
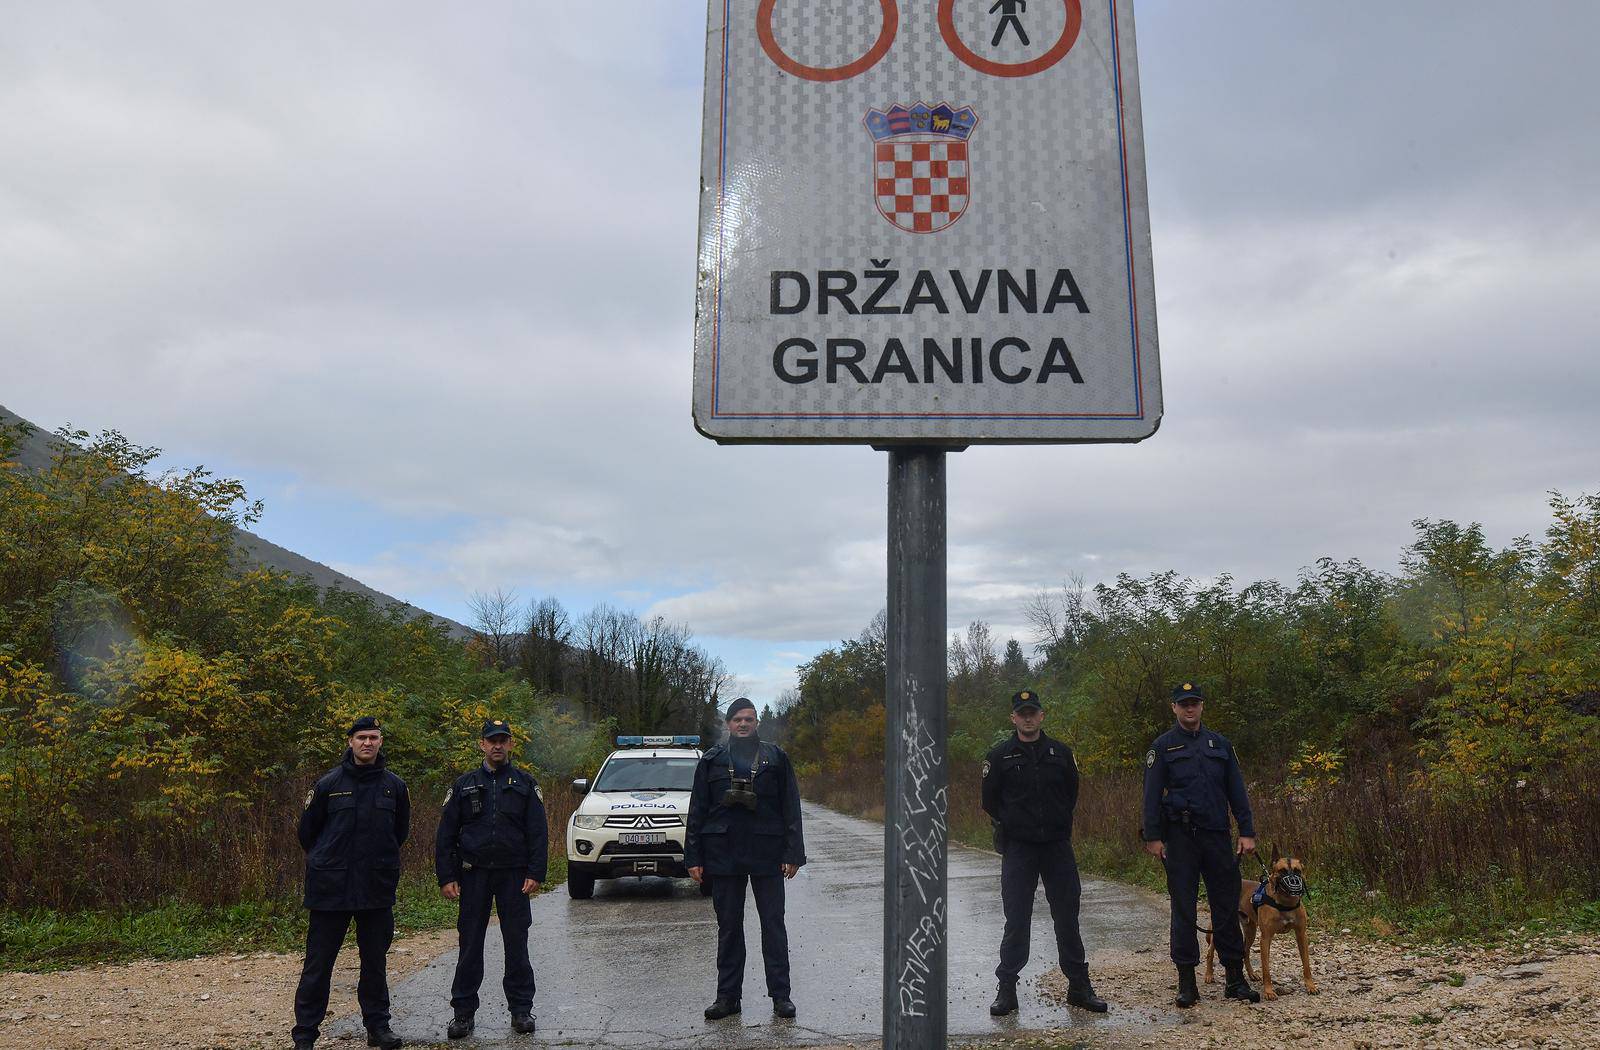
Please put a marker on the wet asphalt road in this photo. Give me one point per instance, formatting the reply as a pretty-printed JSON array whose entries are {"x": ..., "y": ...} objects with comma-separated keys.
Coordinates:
[{"x": 635, "y": 966}]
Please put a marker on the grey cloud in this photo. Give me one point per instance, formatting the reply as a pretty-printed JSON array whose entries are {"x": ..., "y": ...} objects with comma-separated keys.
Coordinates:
[{"x": 441, "y": 264}]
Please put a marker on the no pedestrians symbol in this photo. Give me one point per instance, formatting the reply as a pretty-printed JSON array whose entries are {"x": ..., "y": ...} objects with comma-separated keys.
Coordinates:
[{"x": 924, "y": 224}]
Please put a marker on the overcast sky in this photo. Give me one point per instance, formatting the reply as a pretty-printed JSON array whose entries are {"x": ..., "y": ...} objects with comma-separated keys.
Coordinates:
[{"x": 423, "y": 276}]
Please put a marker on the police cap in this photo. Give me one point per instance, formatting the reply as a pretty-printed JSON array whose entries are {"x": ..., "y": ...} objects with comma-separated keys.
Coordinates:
[
  {"x": 365, "y": 722},
  {"x": 741, "y": 704},
  {"x": 1187, "y": 691},
  {"x": 1026, "y": 698},
  {"x": 496, "y": 727}
]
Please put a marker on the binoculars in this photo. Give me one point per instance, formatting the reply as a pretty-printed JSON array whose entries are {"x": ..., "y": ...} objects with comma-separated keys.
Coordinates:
[{"x": 741, "y": 794}]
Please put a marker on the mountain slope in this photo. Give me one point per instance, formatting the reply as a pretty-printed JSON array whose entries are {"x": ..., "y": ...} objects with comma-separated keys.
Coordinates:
[{"x": 39, "y": 449}]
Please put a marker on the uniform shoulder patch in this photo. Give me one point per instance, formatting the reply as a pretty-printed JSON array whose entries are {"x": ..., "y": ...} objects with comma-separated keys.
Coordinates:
[
  {"x": 311, "y": 796},
  {"x": 536, "y": 792},
  {"x": 1150, "y": 758},
  {"x": 986, "y": 767},
  {"x": 448, "y": 795}
]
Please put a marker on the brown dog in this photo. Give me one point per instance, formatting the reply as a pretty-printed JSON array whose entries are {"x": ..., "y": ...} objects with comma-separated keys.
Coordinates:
[{"x": 1280, "y": 910}]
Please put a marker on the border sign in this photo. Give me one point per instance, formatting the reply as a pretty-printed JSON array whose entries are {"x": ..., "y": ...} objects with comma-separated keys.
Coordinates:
[{"x": 924, "y": 223}]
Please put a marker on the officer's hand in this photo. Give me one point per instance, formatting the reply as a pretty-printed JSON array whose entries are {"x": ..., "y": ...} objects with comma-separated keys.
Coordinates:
[
  {"x": 1156, "y": 849},
  {"x": 697, "y": 874},
  {"x": 789, "y": 870},
  {"x": 529, "y": 886},
  {"x": 451, "y": 891},
  {"x": 1246, "y": 845}
]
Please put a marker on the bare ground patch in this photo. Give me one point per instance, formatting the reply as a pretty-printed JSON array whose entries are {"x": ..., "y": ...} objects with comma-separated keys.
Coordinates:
[
  {"x": 1373, "y": 996},
  {"x": 217, "y": 1001}
]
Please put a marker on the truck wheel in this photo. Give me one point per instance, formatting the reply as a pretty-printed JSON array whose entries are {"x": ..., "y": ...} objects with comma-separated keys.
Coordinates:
[{"x": 580, "y": 885}]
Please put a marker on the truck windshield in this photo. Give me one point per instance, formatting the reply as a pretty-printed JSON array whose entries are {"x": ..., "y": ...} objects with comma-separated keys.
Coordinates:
[{"x": 647, "y": 774}]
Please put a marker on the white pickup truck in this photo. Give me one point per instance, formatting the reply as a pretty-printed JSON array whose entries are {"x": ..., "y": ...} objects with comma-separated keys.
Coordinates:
[{"x": 632, "y": 820}]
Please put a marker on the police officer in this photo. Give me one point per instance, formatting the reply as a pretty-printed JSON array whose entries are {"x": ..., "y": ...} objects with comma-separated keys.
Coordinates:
[
  {"x": 1191, "y": 781},
  {"x": 744, "y": 826},
  {"x": 1030, "y": 788},
  {"x": 492, "y": 849},
  {"x": 356, "y": 818}
]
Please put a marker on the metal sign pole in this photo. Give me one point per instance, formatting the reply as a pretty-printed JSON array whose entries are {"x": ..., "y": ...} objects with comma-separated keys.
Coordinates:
[{"x": 916, "y": 778}]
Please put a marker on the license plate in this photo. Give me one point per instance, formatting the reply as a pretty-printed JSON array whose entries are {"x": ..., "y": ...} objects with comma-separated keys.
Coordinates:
[{"x": 643, "y": 838}]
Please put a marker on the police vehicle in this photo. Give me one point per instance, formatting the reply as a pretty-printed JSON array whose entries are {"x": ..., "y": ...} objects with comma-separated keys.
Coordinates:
[{"x": 632, "y": 820}]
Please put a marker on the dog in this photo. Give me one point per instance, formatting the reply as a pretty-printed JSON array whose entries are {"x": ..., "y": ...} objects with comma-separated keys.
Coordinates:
[{"x": 1281, "y": 909}]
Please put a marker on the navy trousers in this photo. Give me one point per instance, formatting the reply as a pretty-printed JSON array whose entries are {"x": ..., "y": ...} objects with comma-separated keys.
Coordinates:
[
  {"x": 1022, "y": 866},
  {"x": 324, "y": 936},
  {"x": 502, "y": 888},
  {"x": 727, "y": 896},
  {"x": 1191, "y": 856}
]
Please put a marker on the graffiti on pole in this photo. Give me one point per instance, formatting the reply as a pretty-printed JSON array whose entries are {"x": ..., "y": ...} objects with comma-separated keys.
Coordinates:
[{"x": 922, "y": 850}]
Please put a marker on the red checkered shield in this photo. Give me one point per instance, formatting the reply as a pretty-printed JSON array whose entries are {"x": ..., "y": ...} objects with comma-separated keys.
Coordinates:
[
  {"x": 922, "y": 186},
  {"x": 921, "y": 164}
]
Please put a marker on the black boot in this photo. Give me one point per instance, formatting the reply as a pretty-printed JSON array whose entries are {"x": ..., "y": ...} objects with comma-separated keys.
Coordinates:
[
  {"x": 722, "y": 1008},
  {"x": 783, "y": 1007},
  {"x": 1238, "y": 987},
  {"x": 1005, "y": 999},
  {"x": 460, "y": 1026},
  {"x": 522, "y": 1023},
  {"x": 1080, "y": 993},
  {"x": 1188, "y": 994},
  {"x": 384, "y": 1038}
]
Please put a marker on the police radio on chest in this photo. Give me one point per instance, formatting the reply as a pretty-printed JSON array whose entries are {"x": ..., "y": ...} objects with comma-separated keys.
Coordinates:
[{"x": 473, "y": 797}]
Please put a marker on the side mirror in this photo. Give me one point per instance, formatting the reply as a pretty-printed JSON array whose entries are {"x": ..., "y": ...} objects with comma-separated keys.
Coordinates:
[{"x": 581, "y": 786}]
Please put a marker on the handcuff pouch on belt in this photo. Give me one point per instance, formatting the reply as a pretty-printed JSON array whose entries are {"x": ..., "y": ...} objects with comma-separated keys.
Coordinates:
[{"x": 1177, "y": 812}]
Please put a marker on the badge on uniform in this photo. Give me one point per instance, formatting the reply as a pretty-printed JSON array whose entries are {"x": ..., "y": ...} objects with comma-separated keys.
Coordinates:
[
  {"x": 986, "y": 767},
  {"x": 310, "y": 797},
  {"x": 1150, "y": 758},
  {"x": 447, "y": 794},
  {"x": 1212, "y": 742}
]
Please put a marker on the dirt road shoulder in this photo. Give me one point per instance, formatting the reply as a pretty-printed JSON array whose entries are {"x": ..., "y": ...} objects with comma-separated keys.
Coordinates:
[{"x": 217, "y": 1001}]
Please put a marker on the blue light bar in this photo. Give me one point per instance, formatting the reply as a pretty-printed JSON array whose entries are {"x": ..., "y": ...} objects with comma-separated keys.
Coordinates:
[{"x": 658, "y": 741}]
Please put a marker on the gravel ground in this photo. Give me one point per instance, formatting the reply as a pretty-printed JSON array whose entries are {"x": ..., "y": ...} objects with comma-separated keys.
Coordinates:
[
  {"x": 232, "y": 1001},
  {"x": 1374, "y": 996}
]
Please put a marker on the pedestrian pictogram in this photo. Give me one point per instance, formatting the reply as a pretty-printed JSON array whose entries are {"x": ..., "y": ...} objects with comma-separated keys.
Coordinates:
[{"x": 1009, "y": 10}]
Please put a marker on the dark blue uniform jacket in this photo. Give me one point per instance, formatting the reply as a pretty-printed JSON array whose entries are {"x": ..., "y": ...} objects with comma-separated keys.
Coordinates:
[
  {"x": 356, "y": 819},
  {"x": 1198, "y": 773},
  {"x": 492, "y": 820},
  {"x": 731, "y": 840},
  {"x": 1031, "y": 789}
]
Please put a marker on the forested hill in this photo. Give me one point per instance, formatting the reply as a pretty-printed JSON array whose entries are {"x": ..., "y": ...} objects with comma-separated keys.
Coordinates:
[
  {"x": 170, "y": 684},
  {"x": 39, "y": 448}
]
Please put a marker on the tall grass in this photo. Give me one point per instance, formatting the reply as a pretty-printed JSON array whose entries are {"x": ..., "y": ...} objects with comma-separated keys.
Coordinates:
[
  {"x": 1375, "y": 843},
  {"x": 247, "y": 853}
]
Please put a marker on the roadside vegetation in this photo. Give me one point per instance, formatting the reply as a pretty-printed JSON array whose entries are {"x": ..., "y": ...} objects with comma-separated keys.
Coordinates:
[
  {"x": 163, "y": 710},
  {"x": 1427, "y": 741}
]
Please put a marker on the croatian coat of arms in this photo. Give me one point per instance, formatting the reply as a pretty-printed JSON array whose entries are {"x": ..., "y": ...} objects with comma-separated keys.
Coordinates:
[{"x": 921, "y": 167}]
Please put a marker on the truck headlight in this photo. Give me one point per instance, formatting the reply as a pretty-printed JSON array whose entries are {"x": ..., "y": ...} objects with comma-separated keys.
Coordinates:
[{"x": 589, "y": 822}]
